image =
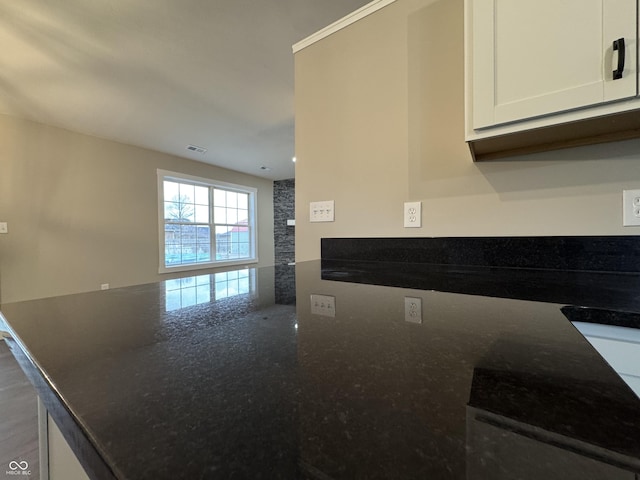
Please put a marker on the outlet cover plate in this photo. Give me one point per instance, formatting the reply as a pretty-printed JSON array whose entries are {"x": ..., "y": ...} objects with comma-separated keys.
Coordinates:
[
  {"x": 412, "y": 214},
  {"x": 4, "y": 228},
  {"x": 631, "y": 208}
]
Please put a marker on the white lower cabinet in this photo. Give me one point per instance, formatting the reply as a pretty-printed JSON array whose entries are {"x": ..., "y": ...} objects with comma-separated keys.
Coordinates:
[{"x": 57, "y": 460}]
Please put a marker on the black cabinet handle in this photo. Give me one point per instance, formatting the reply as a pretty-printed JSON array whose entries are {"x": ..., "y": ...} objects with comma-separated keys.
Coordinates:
[{"x": 619, "y": 45}]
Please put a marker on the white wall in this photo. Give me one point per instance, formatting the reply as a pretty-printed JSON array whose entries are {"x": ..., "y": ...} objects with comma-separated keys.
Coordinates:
[{"x": 380, "y": 121}]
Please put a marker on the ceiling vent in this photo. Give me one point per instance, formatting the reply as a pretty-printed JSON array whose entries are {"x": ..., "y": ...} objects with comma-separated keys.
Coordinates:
[{"x": 197, "y": 149}]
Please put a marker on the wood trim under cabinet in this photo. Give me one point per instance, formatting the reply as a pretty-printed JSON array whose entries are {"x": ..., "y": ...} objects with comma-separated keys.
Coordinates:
[{"x": 608, "y": 128}]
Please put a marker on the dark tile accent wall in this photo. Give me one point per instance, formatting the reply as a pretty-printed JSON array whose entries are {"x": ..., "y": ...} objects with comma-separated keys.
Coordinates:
[
  {"x": 284, "y": 209},
  {"x": 586, "y": 253}
]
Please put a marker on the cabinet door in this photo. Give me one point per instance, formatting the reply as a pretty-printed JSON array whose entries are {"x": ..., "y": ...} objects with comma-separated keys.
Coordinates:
[{"x": 536, "y": 57}]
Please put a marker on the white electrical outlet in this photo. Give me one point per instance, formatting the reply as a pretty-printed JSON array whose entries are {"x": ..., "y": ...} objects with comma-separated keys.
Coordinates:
[
  {"x": 630, "y": 208},
  {"x": 413, "y": 309},
  {"x": 104, "y": 286},
  {"x": 322, "y": 211},
  {"x": 412, "y": 214},
  {"x": 4, "y": 228},
  {"x": 324, "y": 305}
]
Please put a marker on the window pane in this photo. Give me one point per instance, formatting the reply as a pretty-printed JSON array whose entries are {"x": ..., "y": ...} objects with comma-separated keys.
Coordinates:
[
  {"x": 203, "y": 234},
  {"x": 243, "y": 201},
  {"x": 170, "y": 209},
  {"x": 202, "y": 214},
  {"x": 204, "y": 253},
  {"x": 243, "y": 217},
  {"x": 232, "y": 200},
  {"x": 171, "y": 235},
  {"x": 220, "y": 215},
  {"x": 188, "y": 249},
  {"x": 219, "y": 198},
  {"x": 202, "y": 195},
  {"x": 232, "y": 216},
  {"x": 223, "y": 243},
  {"x": 178, "y": 212},
  {"x": 172, "y": 256},
  {"x": 171, "y": 190},
  {"x": 242, "y": 234},
  {"x": 188, "y": 233},
  {"x": 187, "y": 194}
]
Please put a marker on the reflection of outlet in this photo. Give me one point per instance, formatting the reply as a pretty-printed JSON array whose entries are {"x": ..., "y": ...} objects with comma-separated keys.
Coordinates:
[
  {"x": 412, "y": 214},
  {"x": 324, "y": 305},
  {"x": 413, "y": 309}
]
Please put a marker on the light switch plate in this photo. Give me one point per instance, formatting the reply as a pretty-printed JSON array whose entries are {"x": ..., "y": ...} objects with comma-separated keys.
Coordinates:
[
  {"x": 322, "y": 211},
  {"x": 4, "y": 228}
]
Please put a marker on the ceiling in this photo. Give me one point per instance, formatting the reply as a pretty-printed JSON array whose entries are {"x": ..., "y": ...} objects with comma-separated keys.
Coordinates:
[{"x": 163, "y": 74}]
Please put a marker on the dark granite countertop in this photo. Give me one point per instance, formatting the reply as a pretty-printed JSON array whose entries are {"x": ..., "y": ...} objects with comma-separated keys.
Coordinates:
[{"x": 441, "y": 374}]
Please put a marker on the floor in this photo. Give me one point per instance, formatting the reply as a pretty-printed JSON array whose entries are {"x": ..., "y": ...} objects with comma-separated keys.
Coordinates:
[{"x": 18, "y": 417}]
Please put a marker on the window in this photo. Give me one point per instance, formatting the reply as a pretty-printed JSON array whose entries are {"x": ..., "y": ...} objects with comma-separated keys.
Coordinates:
[{"x": 204, "y": 222}]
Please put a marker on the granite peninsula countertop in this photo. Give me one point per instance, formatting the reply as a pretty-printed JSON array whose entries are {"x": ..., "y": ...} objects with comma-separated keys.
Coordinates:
[{"x": 326, "y": 373}]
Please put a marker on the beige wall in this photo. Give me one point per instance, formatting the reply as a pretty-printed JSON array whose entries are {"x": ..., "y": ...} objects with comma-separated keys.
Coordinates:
[
  {"x": 82, "y": 211},
  {"x": 380, "y": 121}
]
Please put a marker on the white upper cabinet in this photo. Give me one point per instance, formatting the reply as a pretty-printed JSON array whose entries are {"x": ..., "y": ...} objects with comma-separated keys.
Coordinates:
[{"x": 529, "y": 60}]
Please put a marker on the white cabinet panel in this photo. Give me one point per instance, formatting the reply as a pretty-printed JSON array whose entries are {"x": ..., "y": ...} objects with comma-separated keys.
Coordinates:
[
  {"x": 63, "y": 464},
  {"x": 535, "y": 58}
]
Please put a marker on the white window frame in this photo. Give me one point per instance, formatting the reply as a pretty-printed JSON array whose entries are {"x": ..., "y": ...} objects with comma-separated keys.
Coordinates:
[{"x": 206, "y": 182}]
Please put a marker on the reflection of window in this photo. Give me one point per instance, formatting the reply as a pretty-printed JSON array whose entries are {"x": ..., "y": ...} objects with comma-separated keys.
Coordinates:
[
  {"x": 185, "y": 292},
  {"x": 238, "y": 282},
  {"x": 189, "y": 291},
  {"x": 619, "y": 346},
  {"x": 203, "y": 222}
]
